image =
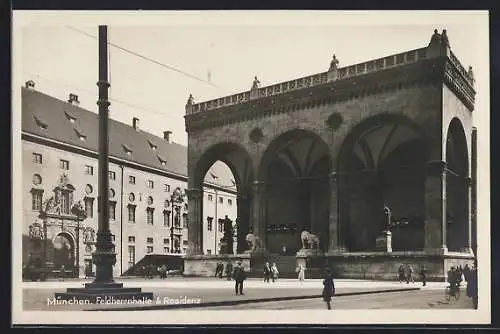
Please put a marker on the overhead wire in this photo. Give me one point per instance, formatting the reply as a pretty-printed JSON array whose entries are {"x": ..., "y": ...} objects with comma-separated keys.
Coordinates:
[{"x": 149, "y": 59}]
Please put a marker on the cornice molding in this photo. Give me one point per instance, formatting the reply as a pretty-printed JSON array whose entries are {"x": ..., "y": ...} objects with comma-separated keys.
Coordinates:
[{"x": 421, "y": 73}]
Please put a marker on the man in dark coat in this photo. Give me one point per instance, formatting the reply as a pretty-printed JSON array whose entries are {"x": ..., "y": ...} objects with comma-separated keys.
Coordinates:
[
  {"x": 267, "y": 272},
  {"x": 217, "y": 269},
  {"x": 239, "y": 276},
  {"x": 221, "y": 270},
  {"x": 472, "y": 286},
  {"x": 423, "y": 273},
  {"x": 328, "y": 289}
]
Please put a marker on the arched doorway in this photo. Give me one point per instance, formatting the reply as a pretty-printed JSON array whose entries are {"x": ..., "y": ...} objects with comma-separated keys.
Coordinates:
[
  {"x": 382, "y": 163},
  {"x": 295, "y": 170},
  {"x": 226, "y": 171},
  {"x": 457, "y": 199},
  {"x": 64, "y": 252}
]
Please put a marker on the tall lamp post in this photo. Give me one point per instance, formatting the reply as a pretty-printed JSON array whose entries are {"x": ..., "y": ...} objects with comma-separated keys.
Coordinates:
[{"x": 104, "y": 286}]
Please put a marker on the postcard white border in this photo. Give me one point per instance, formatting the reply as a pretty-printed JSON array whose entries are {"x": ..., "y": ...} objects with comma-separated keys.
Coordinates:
[{"x": 274, "y": 18}]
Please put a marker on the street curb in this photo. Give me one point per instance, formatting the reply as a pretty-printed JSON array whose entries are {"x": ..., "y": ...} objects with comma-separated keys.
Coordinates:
[{"x": 248, "y": 301}]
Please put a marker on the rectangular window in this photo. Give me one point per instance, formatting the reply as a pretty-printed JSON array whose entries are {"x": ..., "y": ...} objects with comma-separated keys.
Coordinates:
[
  {"x": 221, "y": 226},
  {"x": 131, "y": 213},
  {"x": 209, "y": 225},
  {"x": 166, "y": 218},
  {"x": 184, "y": 242},
  {"x": 150, "y": 214},
  {"x": 167, "y": 187},
  {"x": 112, "y": 175},
  {"x": 36, "y": 201},
  {"x": 149, "y": 249},
  {"x": 149, "y": 240},
  {"x": 89, "y": 170},
  {"x": 166, "y": 241},
  {"x": 131, "y": 179},
  {"x": 221, "y": 200},
  {"x": 209, "y": 251},
  {"x": 112, "y": 210},
  {"x": 131, "y": 256},
  {"x": 65, "y": 198},
  {"x": 166, "y": 250},
  {"x": 185, "y": 221},
  {"x": 229, "y": 201},
  {"x": 64, "y": 164},
  {"x": 151, "y": 184},
  {"x": 210, "y": 198},
  {"x": 89, "y": 207},
  {"x": 131, "y": 238},
  {"x": 37, "y": 158}
]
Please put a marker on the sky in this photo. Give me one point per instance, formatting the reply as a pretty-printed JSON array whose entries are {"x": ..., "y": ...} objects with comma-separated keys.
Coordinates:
[{"x": 63, "y": 59}]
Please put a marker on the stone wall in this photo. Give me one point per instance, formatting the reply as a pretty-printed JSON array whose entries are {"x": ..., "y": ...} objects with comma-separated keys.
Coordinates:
[
  {"x": 204, "y": 265},
  {"x": 383, "y": 266}
]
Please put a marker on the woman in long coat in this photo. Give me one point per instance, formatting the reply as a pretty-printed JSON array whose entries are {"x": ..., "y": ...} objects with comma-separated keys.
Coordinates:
[{"x": 328, "y": 290}]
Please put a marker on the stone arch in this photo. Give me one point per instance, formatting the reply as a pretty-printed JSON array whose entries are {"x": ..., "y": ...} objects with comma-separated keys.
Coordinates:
[
  {"x": 239, "y": 162},
  {"x": 295, "y": 168},
  {"x": 64, "y": 251},
  {"x": 382, "y": 162},
  {"x": 457, "y": 186}
]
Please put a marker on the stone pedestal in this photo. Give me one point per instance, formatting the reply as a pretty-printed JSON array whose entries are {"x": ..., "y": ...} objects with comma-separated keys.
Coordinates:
[
  {"x": 383, "y": 242},
  {"x": 313, "y": 262},
  {"x": 102, "y": 292}
]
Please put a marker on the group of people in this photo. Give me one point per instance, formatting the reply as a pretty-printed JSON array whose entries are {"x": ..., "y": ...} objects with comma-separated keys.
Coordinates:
[
  {"x": 456, "y": 275},
  {"x": 219, "y": 270},
  {"x": 406, "y": 274},
  {"x": 270, "y": 272}
]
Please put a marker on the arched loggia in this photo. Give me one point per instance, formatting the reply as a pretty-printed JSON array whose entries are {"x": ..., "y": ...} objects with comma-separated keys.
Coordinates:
[
  {"x": 381, "y": 162},
  {"x": 294, "y": 169},
  {"x": 457, "y": 187},
  {"x": 208, "y": 169}
]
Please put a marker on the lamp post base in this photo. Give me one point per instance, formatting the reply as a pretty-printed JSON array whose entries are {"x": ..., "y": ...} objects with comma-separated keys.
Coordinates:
[{"x": 97, "y": 293}]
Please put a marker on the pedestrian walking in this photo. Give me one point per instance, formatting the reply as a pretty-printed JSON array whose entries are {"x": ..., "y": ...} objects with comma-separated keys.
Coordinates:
[
  {"x": 423, "y": 273},
  {"x": 409, "y": 274},
  {"x": 267, "y": 272},
  {"x": 301, "y": 272},
  {"x": 466, "y": 272},
  {"x": 401, "y": 272},
  {"x": 472, "y": 287},
  {"x": 221, "y": 270},
  {"x": 229, "y": 270},
  {"x": 274, "y": 272},
  {"x": 239, "y": 276},
  {"x": 62, "y": 272},
  {"x": 328, "y": 289},
  {"x": 217, "y": 269}
]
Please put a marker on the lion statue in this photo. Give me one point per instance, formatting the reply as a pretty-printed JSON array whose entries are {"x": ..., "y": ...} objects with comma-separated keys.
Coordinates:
[
  {"x": 252, "y": 241},
  {"x": 309, "y": 240}
]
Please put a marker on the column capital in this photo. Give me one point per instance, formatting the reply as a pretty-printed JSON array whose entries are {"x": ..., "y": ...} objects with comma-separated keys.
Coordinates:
[
  {"x": 258, "y": 186},
  {"x": 436, "y": 167},
  {"x": 193, "y": 193}
]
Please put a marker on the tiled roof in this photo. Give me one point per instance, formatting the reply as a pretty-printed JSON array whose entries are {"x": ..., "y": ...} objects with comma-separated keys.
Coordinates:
[{"x": 51, "y": 118}]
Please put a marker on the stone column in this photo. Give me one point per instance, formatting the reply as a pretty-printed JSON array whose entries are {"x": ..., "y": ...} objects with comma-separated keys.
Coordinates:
[
  {"x": 435, "y": 207},
  {"x": 336, "y": 242},
  {"x": 468, "y": 194},
  {"x": 195, "y": 223},
  {"x": 259, "y": 212},
  {"x": 243, "y": 218}
]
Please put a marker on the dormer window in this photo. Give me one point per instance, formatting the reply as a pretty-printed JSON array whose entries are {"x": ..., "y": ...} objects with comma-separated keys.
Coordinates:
[
  {"x": 41, "y": 124},
  {"x": 163, "y": 162},
  {"x": 70, "y": 117},
  {"x": 152, "y": 145},
  {"x": 127, "y": 149},
  {"x": 80, "y": 134}
]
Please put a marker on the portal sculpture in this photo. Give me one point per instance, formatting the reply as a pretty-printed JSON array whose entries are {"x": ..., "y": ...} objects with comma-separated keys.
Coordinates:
[{"x": 309, "y": 240}]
